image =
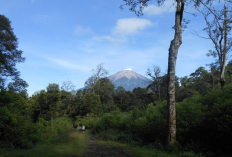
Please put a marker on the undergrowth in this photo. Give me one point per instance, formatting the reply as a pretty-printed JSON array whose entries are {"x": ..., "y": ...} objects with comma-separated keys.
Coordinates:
[
  {"x": 59, "y": 140},
  {"x": 74, "y": 146}
]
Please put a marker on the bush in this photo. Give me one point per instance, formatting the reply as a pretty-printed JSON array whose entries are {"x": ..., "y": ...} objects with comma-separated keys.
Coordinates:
[
  {"x": 16, "y": 129},
  {"x": 204, "y": 123},
  {"x": 58, "y": 133},
  {"x": 62, "y": 124},
  {"x": 190, "y": 154}
]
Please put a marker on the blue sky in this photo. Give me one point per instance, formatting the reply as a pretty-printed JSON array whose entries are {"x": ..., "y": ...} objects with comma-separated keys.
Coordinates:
[{"x": 64, "y": 40}]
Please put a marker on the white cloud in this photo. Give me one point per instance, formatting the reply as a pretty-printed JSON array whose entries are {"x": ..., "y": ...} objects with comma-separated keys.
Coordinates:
[
  {"x": 167, "y": 7},
  {"x": 124, "y": 27},
  {"x": 111, "y": 39},
  {"x": 44, "y": 17},
  {"x": 67, "y": 64},
  {"x": 80, "y": 30},
  {"x": 129, "y": 26},
  {"x": 32, "y": 1}
]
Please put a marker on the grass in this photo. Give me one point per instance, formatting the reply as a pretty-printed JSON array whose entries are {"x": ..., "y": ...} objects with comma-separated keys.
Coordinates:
[
  {"x": 146, "y": 152},
  {"x": 75, "y": 146},
  {"x": 138, "y": 151}
]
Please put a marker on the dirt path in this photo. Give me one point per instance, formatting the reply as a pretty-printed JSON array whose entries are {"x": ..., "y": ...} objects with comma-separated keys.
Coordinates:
[{"x": 98, "y": 150}]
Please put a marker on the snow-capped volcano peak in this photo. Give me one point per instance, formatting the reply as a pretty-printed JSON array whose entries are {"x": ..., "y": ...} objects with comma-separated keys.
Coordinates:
[
  {"x": 129, "y": 79},
  {"x": 129, "y": 69},
  {"x": 127, "y": 73}
]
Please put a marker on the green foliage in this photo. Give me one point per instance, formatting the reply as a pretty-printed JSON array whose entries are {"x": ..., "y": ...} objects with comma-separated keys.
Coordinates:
[
  {"x": 105, "y": 89},
  {"x": 9, "y": 56},
  {"x": 189, "y": 114},
  {"x": 120, "y": 97},
  {"x": 202, "y": 123},
  {"x": 91, "y": 121},
  {"x": 60, "y": 130},
  {"x": 75, "y": 146},
  {"x": 93, "y": 82},
  {"x": 90, "y": 104},
  {"x": 53, "y": 99},
  {"x": 66, "y": 100},
  {"x": 62, "y": 124},
  {"x": 43, "y": 122},
  {"x": 173, "y": 148},
  {"x": 16, "y": 129},
  {"x": 56, "y": 134},
  {"x": 200, "y": 81},
  {"x": 206, "y": 121},
  {"x": 45, "y": 104},
  {"x": 145, "y": 126},
  {"x": 33, "y": 107}
]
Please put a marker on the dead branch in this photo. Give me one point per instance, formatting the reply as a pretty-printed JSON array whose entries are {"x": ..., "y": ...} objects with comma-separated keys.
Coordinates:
[{"x": 195, "y": 33}]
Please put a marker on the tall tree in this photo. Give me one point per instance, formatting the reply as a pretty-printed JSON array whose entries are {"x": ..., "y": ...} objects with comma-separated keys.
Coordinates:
[
  {"x": 105, "y": 89},
  {"x": 173, "y": 51},
  {"x": 217, "y": 30},
  {"x": 67, "y": 95},
  {"x": 66, "y": 98},
  {"x": 120, "y": 94},
  {"x": 33, "y": 107},
  {"x": 229, "y": 70},
  {"x": 155, "y": 74},
  {"x": 9, "y": 56},
  {"x": 53, "y": 100},
  {"x": 99, "y": 72},
  {"x": 201, "y": 80},
  {"x": 214, "y": 72},
  {"x": 91, "y": 104},
  {"x": 68, "y": 86},
  {"x": 42, "y": 99}
]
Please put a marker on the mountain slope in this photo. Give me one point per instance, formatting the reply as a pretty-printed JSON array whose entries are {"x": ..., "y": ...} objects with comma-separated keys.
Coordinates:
[{"x": 129, "y": 79}]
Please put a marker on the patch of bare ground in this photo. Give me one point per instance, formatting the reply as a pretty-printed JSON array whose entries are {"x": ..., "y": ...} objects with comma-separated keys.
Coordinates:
[{"x": 95, "y": 149}]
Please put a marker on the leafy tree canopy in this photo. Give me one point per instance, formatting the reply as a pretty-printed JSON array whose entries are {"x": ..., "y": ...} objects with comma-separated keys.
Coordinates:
[{"x": 9, "y": 56}]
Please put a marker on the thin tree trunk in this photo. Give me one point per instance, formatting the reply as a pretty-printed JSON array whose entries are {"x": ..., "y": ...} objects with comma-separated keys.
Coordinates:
[
  {"x": 222, "y": 77},
  {"x": 213, "y": 81},
  {"x": 173, "y": 51},
  {"x": 52, "y": 120},
  {"x": 39, "y": 115}
]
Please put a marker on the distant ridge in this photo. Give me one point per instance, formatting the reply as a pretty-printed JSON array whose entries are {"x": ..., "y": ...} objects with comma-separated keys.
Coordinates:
[{"x": 129, "y": 79}]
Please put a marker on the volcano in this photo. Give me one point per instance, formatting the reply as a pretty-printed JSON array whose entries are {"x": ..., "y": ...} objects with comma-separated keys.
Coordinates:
[{"x": 129, "y": 79}]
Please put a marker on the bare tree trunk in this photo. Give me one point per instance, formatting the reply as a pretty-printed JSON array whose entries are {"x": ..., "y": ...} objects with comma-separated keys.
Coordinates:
[
  {"x": 173, "y": 51},
  {"x": 52, "y": 120},
  {"x": 222, "y": 77},
  {"x": 213, "y": 81}
]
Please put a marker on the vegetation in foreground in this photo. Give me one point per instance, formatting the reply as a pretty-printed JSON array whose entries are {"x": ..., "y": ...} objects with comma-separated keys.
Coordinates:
[
  {"x": 149, "y": 151},
  {"x": 57, "y": 141},
  {"x": 204, "y": 125}
]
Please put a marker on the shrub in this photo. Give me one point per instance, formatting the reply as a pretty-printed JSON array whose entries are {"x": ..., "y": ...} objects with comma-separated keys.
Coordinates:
[{"x": 16, "y": 129}]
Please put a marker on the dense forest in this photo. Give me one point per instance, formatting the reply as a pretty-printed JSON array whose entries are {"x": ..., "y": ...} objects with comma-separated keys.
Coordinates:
[{"x": 203, "y": 108}]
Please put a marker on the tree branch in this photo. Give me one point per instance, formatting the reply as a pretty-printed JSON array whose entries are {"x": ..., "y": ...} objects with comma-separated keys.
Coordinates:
[
  {"x": 195, "y": 33},
  {"x": 190, "y": 13},
  {"x": 211, "y": 12}
]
